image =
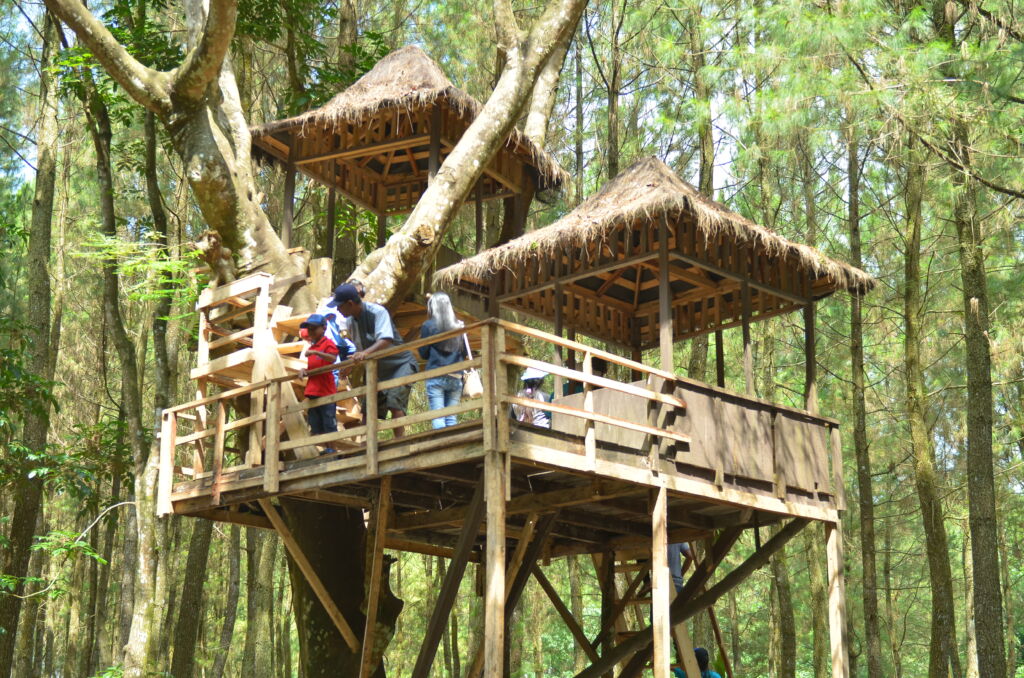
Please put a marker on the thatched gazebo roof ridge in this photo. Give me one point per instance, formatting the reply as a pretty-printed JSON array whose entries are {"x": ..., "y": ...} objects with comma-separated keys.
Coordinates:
[
  {"x": 379, "y": 129},
  {"x": 605, "y": 253}
]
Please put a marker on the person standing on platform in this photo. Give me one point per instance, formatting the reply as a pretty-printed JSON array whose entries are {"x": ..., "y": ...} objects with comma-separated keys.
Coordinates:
[
  {"x": 703, "y": 663},
  {"x": 445, "y": 390},
  {"x": 321, "y": 352},
  {"x": 533, "y": 382},
  {"x": 372, "y": 330}
]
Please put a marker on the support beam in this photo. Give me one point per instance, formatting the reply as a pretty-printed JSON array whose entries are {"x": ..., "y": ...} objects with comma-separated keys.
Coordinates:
[
  {"x": 660, "y": 583},
  {"x": 310, "y": 574},
  {"x": 748, "y": 354},
  {"x": 571, "y": 623},
  {"x": 479, "y": 215},
  {"x": 666, "y": 331},
  {"x": 450, "y": 588},
  {"x": 810, "y": 362},
  {"x": 288, "y": 205},
  {"x": 332, "y": 220},
  {"x": 494, "y": 591},
  {"x": 720, "y": 358},
  {"x": 434, "y": 158},
  {"x": 380, "y": 530},
  {"x": 837, "y": 601},
  {"x": 520, "y": 575}
]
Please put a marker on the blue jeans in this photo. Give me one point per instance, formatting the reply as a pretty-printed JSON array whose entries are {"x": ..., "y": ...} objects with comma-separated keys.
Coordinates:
[{"x": 444, "y": 392}]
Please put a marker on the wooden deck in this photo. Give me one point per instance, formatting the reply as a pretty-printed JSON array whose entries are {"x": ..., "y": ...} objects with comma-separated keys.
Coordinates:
[{"x": 725, "y": 460}]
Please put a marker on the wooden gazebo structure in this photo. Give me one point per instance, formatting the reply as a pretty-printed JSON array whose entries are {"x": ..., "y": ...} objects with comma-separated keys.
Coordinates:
[{"x": 380, "y": 141}]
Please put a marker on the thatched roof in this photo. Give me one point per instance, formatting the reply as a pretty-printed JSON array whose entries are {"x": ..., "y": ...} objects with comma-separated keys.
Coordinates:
[
  {"x": 647, "y": 191},
  {"x": 406, "y": 80}
]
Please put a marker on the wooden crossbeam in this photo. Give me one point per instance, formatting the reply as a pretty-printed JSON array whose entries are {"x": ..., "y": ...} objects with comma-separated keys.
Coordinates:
[
  {"x": 367, "y": 150},
  {"x": 310, "y": 574}
]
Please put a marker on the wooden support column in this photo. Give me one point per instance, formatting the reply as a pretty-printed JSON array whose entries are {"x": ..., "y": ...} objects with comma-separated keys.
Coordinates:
[
  {"x": 380, "y": 530},
  {"x": 748, "y": 355},
  {"x": 310, "y": 574},
  {"x": 810, "y": 362},
  {"x": 559, "y": 293},
  {"x": 837, "y": 601},
  {"x": 666, "y": 332},
  {"x": 332, "y": 221},
  {"x": 479, "y": 214},
  {"x": 590, "y": 438},
  {"x": 218, "y": 451},
  {"x": 382, "y": 229},
  {"x": 165, "y": 483},
  {"x": 450, "y": 587},
  {"x": 434, "y": 157},
  {"x": 271, "y": 460},
  {"x": 604, "y": 564},
  {"x": 288, "y": 205},
  {"x": 720, "y": 358},
  {"x": 371, "y": 417},
  {"x": 494, "y": 587},
  {"x": 660, "y": 583}
]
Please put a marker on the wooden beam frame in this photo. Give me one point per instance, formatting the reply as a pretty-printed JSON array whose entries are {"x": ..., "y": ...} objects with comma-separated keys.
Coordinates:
[
  {"x": 494, "y": 587},
  {"x": 311, "y": 576},
  {"x": 837, "y": 601},
  {"x": 380, "y": 530},
  {"x": 660, "y": 583},
  {"x": 570, "y": 622}
]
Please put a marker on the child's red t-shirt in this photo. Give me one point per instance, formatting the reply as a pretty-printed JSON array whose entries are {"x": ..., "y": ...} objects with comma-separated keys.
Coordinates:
[{"x": 321, "y": 384}]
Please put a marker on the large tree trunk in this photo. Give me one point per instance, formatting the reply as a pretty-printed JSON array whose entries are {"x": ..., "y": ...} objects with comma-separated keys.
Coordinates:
[
  {"x": 943, "y": 649},
  {"x": 28, "y": 491},
  {"x": 257, "y": 658},
  {"x": 231, "y": 603}
]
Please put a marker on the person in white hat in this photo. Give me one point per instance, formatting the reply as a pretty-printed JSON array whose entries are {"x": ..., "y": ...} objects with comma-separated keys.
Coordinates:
[{"x": 533, "y": 381}]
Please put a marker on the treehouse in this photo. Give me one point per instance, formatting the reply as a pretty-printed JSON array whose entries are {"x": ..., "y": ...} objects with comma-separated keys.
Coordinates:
[
  {"x": 380, "y": 141},
  {"x": 636, "y": 457}
]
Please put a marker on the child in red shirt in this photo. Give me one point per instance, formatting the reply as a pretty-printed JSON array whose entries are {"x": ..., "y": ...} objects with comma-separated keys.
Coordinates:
[{"x": 321, "y": 352}]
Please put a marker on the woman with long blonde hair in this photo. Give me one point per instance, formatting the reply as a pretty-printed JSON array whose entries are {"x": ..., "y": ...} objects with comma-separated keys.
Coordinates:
[{"x": 445, "y": 390}]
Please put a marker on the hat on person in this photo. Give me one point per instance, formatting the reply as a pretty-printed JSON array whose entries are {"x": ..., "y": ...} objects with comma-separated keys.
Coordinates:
[
  {"x": 342, "y": 293},
  {"x": 533, "y": 373},
  {"x": 314, "y": 320}
]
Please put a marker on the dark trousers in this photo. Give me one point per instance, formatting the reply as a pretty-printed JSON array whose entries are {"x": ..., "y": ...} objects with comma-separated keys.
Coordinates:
[{"x": 323, "y": 419}]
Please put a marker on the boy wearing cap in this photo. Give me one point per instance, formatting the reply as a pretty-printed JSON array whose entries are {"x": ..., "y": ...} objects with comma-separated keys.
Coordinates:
[
  {"x": 321, "y": 352},
  {"x": 372, "y": 329}
]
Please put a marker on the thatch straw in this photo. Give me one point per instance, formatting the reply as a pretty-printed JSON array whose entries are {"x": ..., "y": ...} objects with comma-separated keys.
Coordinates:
[
  {"x": 646, "y": 191},
  {"x": 407, "y": 79}
]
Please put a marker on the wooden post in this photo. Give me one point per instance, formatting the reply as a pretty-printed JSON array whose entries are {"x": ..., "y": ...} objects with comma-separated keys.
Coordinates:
[
  {"x": 660, "y": 582},
  {"x": 168, "y": 434},
  {"x": 382, "y": 229},
  {"x": 590, "y": 437},
  {"x": 450, "y": 587},
  {"x": 332, "y": 218},
  {"x": 271, "y": 462},
  {"x": 559, "y": 327},
  {"x": 310, "y": 574},
  {"x": 218, "y": 451},
  {"x": 748, "y": 355},
  {"x": 810, "y": 362},
  {"x": 380, "y": 531},
  {"x": 838, "y": 488},
  {"x": 720, "y": 358},
  {"x": 837, "y": 601},
  {"x": 371, "y": 417},
  {"x": 262, "y": 342},
  {"x": 487, "y": 377},
  {"x": 666, "y": 332},
  {"x": 494, "y": 595},
  {"x": 479, "y": 213},
  {"x": 434, "y": 158},
  {"x": 288, "y": 206}
]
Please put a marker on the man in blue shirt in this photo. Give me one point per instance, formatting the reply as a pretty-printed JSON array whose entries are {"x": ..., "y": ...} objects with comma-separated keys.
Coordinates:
[{"x": 703, "y": 661}]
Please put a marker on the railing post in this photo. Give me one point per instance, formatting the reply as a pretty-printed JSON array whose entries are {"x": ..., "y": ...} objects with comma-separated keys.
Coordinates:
[
  {"x": 168, "y": 434},
  {"x": 271, "y": 461},
  {"x": 838, "y": 489},
  {"x": 590, "y": 439},
  {"x": 487, "y": 373},
  {"x": 218, "y": 451},
  {"x": 371, "y": 417}
]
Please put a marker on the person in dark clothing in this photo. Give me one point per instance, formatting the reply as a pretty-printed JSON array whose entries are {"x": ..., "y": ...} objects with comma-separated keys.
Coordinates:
[
  {"x": 703, "y": 663},
  {"x": 445, "y": 390}
]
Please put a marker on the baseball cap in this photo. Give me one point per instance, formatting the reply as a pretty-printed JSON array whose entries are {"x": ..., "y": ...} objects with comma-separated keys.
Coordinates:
[
  {"x": 315, "y": 319},
  {"x": 533, "y": 373},
  {"x": 342, "y": 293}
]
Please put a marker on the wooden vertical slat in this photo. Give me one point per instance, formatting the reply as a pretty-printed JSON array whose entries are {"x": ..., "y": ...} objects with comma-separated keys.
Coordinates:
[
  {"x": 271, "y": 462},
  {"x": 719, "y": 352},
  {"x": 371, "y": 417},
  {"x": 838, "y": 488},
  {"x": 665, "y": 323},
  {"x": 837, "y": 601},
  {"x": 310, "y": 574},
  {"x": 487, "y": 375},
  {"x": 168, "y": 434},
  {"x": 590, "y": 437},
  {"x": 660, "y": 582},
  {"x": 218, "y": 451},
  {"x": 494, "y": 594},
  {"x": 380, "y": 530},
  {"x": 748, "y": 355}
]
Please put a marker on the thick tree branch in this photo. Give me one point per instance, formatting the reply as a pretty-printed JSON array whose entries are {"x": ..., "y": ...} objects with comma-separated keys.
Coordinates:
[
  {"x": 203, "y": 62},
  {"x": 543, "y": 100},
  {"x": 147, "y": 86},
  {"x": 505, "y": 27}
]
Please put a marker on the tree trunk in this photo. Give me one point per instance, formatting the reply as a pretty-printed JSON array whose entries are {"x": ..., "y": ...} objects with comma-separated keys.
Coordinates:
[
  {"x": 28, "y": 491},
  {"x": 784, "y": 631},
  {"x": 231, "y": 603},
  {"x": 943, "y": 648},
  {"x": 257, "y": 657},
  {"x": 28, "y": 647},
  {"x": 190, "y": 607}
]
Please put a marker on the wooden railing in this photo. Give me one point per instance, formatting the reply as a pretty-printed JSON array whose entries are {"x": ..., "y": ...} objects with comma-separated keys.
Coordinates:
[{"x": 187, "y": 437}]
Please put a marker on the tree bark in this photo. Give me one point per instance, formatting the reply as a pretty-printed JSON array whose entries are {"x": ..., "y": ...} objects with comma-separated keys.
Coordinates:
[
  {"x": 943, "y": 646},
  {"x": 231, "y": 603},
  {"x": 257, "y": 659},
  {"x": 28, "y": 491},
  {"x": 190, "y": 602}
]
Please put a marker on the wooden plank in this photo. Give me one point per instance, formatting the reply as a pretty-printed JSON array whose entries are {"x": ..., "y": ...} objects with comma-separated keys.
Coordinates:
[
  {"x": 838, "y": 487},
  {"x": 213, "y": 296},
  {"x": 665, "y": 320},
  {"x": 494, "y": 594},
  {"x": 371, "y": 417},
  {"x": 489, "y": 411},
  {"x": 660, "y": 582},
  {"x": 570, "y": 622},
  {"x": 367, "y": 150},
  {"x": 310, "y": 574},
  {"x": 450, "y": 587},
  {"x": 599, "y": 418},
  {"x": 590, "y": 434},
  {"x": 748, "y": 350},
  {"x": 517, "y": 577},
  {"x": 271, "y": 458},
  {"x": 380, "y": 530},
  {"x": 218, "y": 452},
  {"x": 837, "y": 601},
  {"x": 168, "y": 429}
]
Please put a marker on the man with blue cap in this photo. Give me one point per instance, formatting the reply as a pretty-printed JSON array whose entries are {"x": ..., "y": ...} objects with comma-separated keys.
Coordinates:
[{"x": 371, "y": 329}]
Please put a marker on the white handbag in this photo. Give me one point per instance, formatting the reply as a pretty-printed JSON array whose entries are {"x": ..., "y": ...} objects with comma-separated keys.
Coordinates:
[{"x": 472, "y": 385}]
